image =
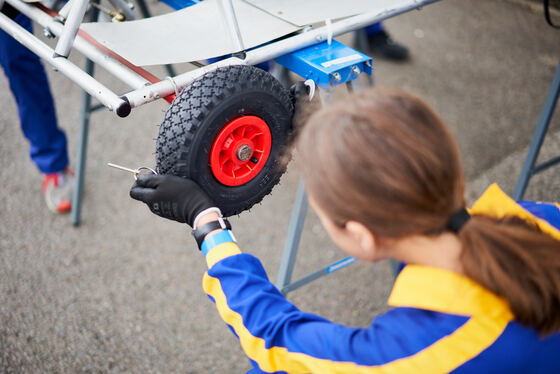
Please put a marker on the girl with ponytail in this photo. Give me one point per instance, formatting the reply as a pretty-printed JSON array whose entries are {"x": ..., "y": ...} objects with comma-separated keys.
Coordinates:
[
  {"x": 384, "y": 174},
  {"x": 480, "y": 291}
]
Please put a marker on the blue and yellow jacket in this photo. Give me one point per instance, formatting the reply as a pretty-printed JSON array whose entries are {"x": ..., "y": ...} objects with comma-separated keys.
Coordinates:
[{"x": 440, "y": 321}]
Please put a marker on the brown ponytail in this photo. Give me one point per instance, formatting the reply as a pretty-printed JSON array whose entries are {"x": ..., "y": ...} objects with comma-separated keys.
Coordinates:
[
  {"x": 385, "y": 159},
  {"x": 519, "y": 263}
]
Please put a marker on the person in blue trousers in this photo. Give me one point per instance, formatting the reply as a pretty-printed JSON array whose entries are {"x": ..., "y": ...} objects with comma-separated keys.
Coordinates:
[
  {"x": 480, "y": 291},
  {"x": 30, "y": 88},
  {"x": 380, "y": 44}
]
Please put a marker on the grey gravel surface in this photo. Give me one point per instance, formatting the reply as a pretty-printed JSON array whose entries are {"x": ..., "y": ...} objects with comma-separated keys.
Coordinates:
[{"x": 122, "y": 293}]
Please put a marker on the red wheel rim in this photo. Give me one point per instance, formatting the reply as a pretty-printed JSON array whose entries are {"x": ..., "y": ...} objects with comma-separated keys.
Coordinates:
[{"x": 240, "y": 150}]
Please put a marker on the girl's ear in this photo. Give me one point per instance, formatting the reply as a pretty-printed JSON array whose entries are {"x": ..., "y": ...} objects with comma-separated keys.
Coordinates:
[{"x": 364, "y": 238}]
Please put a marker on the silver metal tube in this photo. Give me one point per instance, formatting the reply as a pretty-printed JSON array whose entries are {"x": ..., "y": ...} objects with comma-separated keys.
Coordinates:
[
  {"x": 71, "y": 27},
  {"x": 165, "y": 87},
  {"x": 129, "y": 14},
  {"x": 228, "y": 13},
  {"x": 74, "y": 73},
  {"x": 65, "y": 10},
  {"x": 87, "y": 49},
  {"x": 269, "y": 52}
]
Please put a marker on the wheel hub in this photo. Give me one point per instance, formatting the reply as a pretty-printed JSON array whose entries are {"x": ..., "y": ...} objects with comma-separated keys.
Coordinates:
[{"x": 240, "y": 150}]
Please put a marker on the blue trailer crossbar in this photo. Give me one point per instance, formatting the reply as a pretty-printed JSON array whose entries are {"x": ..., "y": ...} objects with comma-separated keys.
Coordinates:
[{"x": 327, "y": 64}]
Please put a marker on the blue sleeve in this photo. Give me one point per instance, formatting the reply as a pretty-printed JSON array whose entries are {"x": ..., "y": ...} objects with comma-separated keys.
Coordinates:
[{"x": 278, "y": 337}]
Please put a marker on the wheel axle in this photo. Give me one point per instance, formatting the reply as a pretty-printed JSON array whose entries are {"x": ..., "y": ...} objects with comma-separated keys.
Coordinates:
[{"x": 244, "y": 152}]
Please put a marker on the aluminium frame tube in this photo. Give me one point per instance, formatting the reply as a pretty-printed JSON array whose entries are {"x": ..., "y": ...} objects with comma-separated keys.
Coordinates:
[
  {"x": 228, "y": 13},
  {"x": 71, "y": 26},
  {"x": 268, "y": 52},
  {"x": 74, "y": 73},
  {"x": 114, "y": 67},
  {"x": 154, "y": 91},
  {"x": 65, "y": 10}
]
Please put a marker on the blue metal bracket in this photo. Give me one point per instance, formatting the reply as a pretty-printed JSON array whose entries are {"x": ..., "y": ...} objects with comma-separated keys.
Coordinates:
[
  {"x": 327, "y": 64},
  {"x": 179, "y": 4}
]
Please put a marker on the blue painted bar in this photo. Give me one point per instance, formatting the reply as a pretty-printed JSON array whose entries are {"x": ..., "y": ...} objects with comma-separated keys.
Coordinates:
[
  {"x": 327, "y": 64},
  {"x": 540, "y": 132}
]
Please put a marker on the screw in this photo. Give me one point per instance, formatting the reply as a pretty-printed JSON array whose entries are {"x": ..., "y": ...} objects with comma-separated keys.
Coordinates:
[
  {"x": 48, "y": 33},
  {"x": 368, "y": 63},
  {"x": 117, "y": 16},
  {"x": 356, "y": 70},
  {"x": 336, "y": 76}
]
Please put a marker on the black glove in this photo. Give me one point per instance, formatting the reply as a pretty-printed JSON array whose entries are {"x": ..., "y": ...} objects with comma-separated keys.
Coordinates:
[{"x": 171, "y": 197}]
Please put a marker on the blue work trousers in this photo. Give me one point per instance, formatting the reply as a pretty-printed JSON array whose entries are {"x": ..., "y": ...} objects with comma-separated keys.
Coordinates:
[
  {"x": 31, "y": 91},
  {"x": 374, "y": 29}
]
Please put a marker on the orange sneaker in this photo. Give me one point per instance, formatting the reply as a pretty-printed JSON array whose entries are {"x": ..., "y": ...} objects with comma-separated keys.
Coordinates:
[{"x": 57, "y": 189}]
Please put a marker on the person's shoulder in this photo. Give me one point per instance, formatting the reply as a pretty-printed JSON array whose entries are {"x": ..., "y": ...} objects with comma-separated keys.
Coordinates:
[{"x": 549, "y": 212}]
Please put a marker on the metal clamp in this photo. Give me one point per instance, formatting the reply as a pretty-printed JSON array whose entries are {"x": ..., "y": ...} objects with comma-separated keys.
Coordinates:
[
  {"x": 175, "y": 88},
  {"x": 311, "y": 84}
]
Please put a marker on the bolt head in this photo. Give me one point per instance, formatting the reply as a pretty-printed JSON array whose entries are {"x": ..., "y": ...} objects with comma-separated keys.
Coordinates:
[
  {"x": 48, "y": 33},
  {"x": 244, "y": 152}
]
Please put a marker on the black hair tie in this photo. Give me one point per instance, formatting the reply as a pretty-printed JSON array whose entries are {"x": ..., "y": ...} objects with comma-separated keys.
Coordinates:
[{"x": 457, "y": 220}]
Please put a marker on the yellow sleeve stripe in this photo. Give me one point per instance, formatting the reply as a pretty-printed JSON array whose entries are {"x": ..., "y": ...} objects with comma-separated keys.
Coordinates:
[
  {"x": 495, "y": 203},
  {"x": 443, "y": 356},
  {"x": 220, "y": 252}
]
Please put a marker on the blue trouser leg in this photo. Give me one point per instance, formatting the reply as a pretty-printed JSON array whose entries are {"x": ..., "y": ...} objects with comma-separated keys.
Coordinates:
[
  {"x": 374, "y": 29},
  {"x": 30, "y": 88}
]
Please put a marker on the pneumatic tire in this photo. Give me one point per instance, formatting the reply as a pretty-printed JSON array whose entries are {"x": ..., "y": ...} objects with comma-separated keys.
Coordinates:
[{"x": 227, "y": 131}]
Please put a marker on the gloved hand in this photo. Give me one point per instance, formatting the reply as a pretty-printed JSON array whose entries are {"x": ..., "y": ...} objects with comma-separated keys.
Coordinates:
[{"x": 171, "y": 197}]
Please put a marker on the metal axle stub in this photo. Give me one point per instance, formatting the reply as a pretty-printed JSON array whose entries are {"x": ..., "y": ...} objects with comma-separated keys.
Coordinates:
[{"x": 244, "y": 152}]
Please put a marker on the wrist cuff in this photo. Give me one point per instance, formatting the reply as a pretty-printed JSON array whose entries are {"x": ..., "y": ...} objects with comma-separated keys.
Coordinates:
[
  {"x": 215, "y": 240},
  {"x": 205, "y": 211},
  {"x": 201, "y": 232}
]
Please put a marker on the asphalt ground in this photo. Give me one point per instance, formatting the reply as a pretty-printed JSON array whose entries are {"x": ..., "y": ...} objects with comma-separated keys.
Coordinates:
[{"x": 122, "y": 293}]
